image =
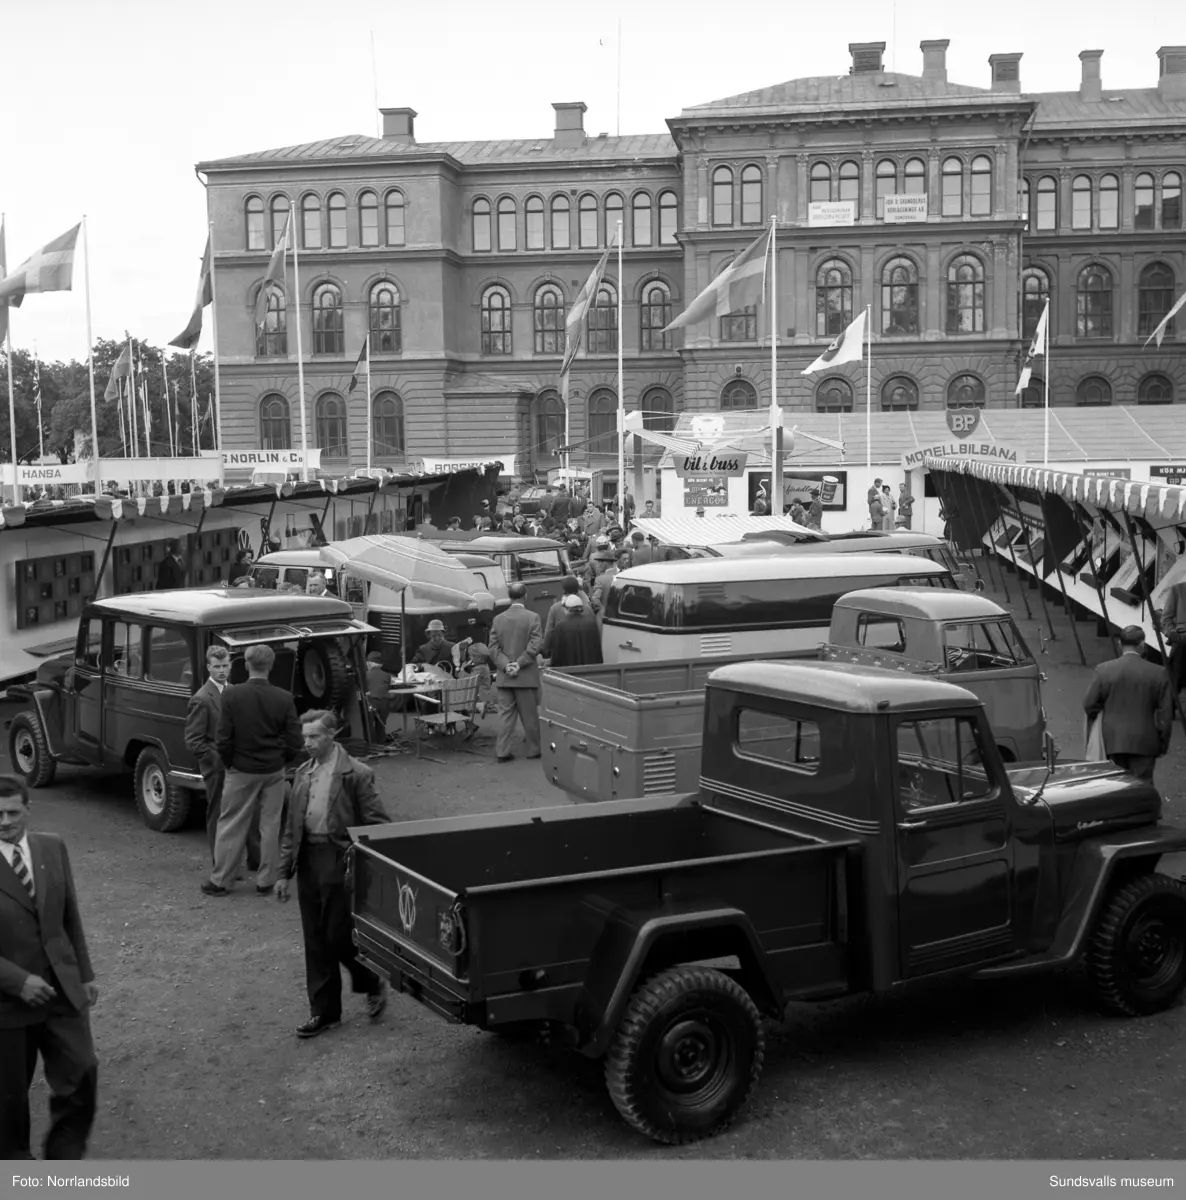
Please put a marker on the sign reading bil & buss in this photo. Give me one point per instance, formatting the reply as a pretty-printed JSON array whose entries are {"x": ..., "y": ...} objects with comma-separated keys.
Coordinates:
[{"x": 730, "y": 464}]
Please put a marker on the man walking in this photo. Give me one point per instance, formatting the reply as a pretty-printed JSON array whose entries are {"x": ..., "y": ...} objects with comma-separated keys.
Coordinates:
[
  {"x": 575, "y": 640},
  {"x": 516, "y": 639},
  {"x": 258, "y": 733},
  {"x": 330, "y": 793},
  {"x": 1134, "y": 700},
  {"x": 47, "y": 986}
]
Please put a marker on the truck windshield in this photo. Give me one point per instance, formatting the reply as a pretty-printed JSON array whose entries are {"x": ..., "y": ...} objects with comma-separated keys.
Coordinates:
[{"x": 984, "y": 646}]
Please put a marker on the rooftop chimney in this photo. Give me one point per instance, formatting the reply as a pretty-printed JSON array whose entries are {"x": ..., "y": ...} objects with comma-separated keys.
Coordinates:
[
  {"x": 934, "y": 59},
  {"x": 866, "y": 57},
  {"x": 397, "y": 125},
  {"x": 1089, "y": 85},
  {"x": 1171, "y": 79},
  {"x": 1006, "y": 72},
  {"x": 570, "y": 125}
]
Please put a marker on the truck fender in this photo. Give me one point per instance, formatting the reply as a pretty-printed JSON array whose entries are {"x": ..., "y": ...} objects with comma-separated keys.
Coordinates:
[
  {"x": 43, "y": 701},
  {"x": 620, "y": 961}
]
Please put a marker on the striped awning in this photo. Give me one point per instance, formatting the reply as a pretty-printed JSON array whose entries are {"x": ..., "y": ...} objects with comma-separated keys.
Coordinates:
[{"x": 710, "y": 530}]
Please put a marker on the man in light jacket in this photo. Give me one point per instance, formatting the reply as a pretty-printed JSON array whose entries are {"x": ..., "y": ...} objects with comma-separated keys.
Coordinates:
[{"x": 516, "y": 638}]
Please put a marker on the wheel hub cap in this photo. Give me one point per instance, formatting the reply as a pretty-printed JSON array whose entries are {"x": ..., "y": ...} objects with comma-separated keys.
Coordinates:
[{"x": 688, "y": 1054}]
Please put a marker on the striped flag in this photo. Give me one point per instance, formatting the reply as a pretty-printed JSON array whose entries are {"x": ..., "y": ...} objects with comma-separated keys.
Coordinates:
[
  {"x": 187, "y": 339},
  {"x": 848, "y": 347},
  {"x": 574, "y": 323},
  {"x": 1037, "y": 347},
  {"x": 121, "y": 370},
  {"x": 1159, "y": 332},
  {"x": 740, "y": 284},
  {"x": 50, "y": 269},
  {"x": 360, "y": 367},
  {"x": 274, "y": 276}
]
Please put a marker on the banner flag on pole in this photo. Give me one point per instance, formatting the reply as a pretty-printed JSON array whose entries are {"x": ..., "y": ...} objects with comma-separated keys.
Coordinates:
[
  {"x": 274, "y": 276},
  {"x": 848, "y": 347},
  {"x": 121, "y": 370},
  {"x": 574, "y": 323},
  {"x": 50, "y": 269},
  {"x": 360, "y": 366},
  {"x": 740, "y": 284},
  {"x": 1159, "y": 332},
  {"x": 3, "y": 272},
  {"x": 187, "y": 339},
  {"x": 1037, "y": 347}
]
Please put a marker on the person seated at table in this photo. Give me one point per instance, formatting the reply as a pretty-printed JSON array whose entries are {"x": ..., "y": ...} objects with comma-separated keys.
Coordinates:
[
  {"x": 436, "y": 652},
  {"x": 378, "y": 688}
]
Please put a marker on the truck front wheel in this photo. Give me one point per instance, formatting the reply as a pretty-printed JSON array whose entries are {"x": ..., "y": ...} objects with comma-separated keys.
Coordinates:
[
  {"x": 1136, "y": 958},
  {"x": 686, "y": 1056},
  {"x": 28, "y": 748},
  {"x": 163, "y": 805}
]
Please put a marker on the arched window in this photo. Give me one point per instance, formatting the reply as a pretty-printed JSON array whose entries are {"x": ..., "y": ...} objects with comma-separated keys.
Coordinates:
[
  {"x": 833, "y": 396},
  {"x": 330, "y": 419},
  {"x": 588, "y": 222},
  {"x": 384, "y": 319},
  {"x": 279, "y": 218},
  {"x": 1081, "y": 202},
  {"x": 980, "y": 201},
  {"x": 833, "y": 298},
  {"x": 899, "y": 298},
  {"x": 603, "y": 422},
  {"x": 275, "y": 428},
  {"x": 327, "y": 319},
  {"x": 751, "y": 195},
  {"x": 1155, "y": 389},
  {"x": 1046, "y": 216},
  {"x": 506, "y": 224},
  {"x": 966, "y": 391},
  {"x": 534, "y": 213},
  {"x": 561, "y": 233},
  {"x": 952, "y": 196},
  {"x": 387, "y": 425},
  {"x": 337, "y": 220},
  {"x": 368, "y": 219},
  {"x": 394, "y": 206},
  {"x": 496, "y": 320},
  {"x": 1142, "y": 189},
  {"x": 1155, "y": 297},
  {"x": 965, "y": 295},
  {"x": 1094, "y": 303},
  {"x": 654, "y": 316},
  {"x": 914, "y": 178},
  {"x": 1035, "y": 292},
  {"x": 899, "y": 394},
  {"x": 668, "y": 218},
  {"x": 613, "y": 214},
  {"x": 602, "y": 334},
  {"x": 1109, "y": 202},
  {"x": 255, "y": 223},
  {"x": 311, "y": 222},
  {"x": 885, "y": 183},
  {"x": 1171, "y": 200},
  {"x": 1023, "y": 202},
  {"x": 548, "y": 311},
  {"x": 272, "y": 340},
  {"x": 549, "y": 424},
  {"x": 1095, "y": 389},
  {"x": 1034, "y": 395},
  {"x": 482, "y": 224},
  {"x": 658, "y": 410},
  {"x": 739, "y": 393},
  {"x": 850, "y": 185},
  {"x": 641, "y": 222},
  {"x": 820, "y": 187},
  {"x": 722, "y": 196}
]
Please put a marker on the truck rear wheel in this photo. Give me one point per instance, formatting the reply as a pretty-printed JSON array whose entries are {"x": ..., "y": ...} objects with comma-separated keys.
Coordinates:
[
  {"x": 686, "y": 1056},
  {"x": 28, "y": 748},
  {"x": 163, "y": 806},
  {"x": 1136, "y": 958}
]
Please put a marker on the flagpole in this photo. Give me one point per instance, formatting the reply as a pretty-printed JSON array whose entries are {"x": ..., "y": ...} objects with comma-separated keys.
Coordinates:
[
  {"x": 869, "y": 390},
  {"x": 370, "y": 415},
  {"x": 1046, "y": 391},
  {"x": 564, "y": 399},
  {"x": 217, "y": 431},
  {"x": 37, "y": 401},
  {"x": 776, "y": 485},
  {"x": 296, "y": 287},
  {"x": 144, "y": 401},
  {"x": 621, "y": 396},
  {"x": 194, "y": 437},
  {"x": 133, "y": 424},
  {"x": 16, "y": 494},
  {"x": 168, "y": 408},
  {"x": 90, "y": 366}
]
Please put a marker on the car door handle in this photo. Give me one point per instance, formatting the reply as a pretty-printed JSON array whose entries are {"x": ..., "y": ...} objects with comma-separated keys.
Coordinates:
[
  {"x": 911, "y": 824},
  {"x": 545, "y": 595},
  {"x": 629, "y": 646}
]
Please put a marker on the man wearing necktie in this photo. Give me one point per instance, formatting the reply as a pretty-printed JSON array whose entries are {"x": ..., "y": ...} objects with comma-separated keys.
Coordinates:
[{"x": 47, "y": 987}]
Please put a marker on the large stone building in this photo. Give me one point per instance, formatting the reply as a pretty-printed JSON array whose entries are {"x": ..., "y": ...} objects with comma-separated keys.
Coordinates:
[{"x": 952, "y": 211}]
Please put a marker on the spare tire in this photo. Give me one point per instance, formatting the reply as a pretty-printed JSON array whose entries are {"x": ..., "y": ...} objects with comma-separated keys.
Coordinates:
[{"x": 323, "y": 675}]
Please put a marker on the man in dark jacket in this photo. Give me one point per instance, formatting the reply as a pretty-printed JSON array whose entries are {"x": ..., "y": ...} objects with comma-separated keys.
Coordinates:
[
  {"x": 575, "y": 640},
  {"x": 258, "y": 733},
  {"x": 516, "y": 638},
  {"x": 437, "y": 649},
  {"x": 171, "y": 572},
  {"x": 570, "y": 585},
  {"x": 1134, "y": 700}
]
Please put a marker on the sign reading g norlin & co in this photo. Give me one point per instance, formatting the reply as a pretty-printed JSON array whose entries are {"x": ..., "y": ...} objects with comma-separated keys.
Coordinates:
[{"x": 729, "y": 464}]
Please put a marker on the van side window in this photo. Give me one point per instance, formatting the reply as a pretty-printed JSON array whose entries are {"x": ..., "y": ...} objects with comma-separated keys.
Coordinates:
[
  {"x": 940, "y": 761},
  {"x": 168, "y": 656},
  {"x": 881, "y": 633},
  {"x": 634, "y": 601},
  {"x": 90, "y": 640},
  {"x": 127, "y": 650},
  {"x": 265, "y": 577},
  {"x": 773, "y": 738},
  {"x": 533, "y": 564}
]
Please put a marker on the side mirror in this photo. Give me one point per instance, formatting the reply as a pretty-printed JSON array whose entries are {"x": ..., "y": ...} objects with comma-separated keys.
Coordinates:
[{"x": 1051, "y": 751}]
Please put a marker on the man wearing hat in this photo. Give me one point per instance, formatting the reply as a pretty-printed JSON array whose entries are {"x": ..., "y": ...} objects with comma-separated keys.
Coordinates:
[
  {"x": 575, "y": 640},
  {"x": 436, "y": 650},
  {"x": 1134, "y": 701},
  {"x": 603, "y": 556},
  {"x": 641, "y": 551},
  {"x": 601, "y": 584}
]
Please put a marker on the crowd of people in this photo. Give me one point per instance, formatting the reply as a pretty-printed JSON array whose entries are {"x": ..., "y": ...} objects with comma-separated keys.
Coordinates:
[{"x": 887, "y": 511}]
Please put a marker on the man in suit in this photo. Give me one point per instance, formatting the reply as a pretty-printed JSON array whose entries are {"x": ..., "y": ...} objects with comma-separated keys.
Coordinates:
[
  {"x": 171, "y": 572},
  {"x": 1134, "y": 700},
  {"x": 258, "y": 733},
  {"x": 201, "y": 725},
  {"x": 46, "y": 987},
  {"x": 1173, "y": 622},
  {"x": 516, "y": 638},
  {"x": 330, "y": 793}
]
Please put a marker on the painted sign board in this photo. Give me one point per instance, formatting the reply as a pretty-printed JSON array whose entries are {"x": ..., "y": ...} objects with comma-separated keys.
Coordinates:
[
  {"x": 729, "y": 463},
  {"x": 901, "y": 209},
  {"x": 706, "y": 491},
  {"x": 831, "y": 212},
  {"x": 991, "y": 451}
]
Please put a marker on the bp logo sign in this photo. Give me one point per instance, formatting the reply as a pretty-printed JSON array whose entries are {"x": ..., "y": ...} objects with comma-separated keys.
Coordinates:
[{"x": 963, "y": 421}]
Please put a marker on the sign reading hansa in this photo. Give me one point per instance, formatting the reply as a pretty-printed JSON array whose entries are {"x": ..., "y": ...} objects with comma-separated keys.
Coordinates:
[{"x": 731, "y": 464}]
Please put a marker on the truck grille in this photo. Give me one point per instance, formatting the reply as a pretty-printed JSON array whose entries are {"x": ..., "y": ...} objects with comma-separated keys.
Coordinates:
[
  {"x": 389, "y": 628},
  {"x": 716, "y": 643},
  {"x": 658, "y": 774}
]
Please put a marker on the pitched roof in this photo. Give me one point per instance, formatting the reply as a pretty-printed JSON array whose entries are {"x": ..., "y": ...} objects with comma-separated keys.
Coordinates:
[{"x": 1121, "y": 106}]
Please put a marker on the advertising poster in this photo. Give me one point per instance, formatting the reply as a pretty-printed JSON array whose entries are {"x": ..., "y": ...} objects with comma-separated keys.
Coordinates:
[
  {"x": 706, "y": 491},
  {"x": 798, "y": 485}
]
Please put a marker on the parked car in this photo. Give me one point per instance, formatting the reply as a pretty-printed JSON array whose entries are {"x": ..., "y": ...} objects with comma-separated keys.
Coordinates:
[
  {"x": 291, "y": 567},
  {"x": 538, "y": 563}
]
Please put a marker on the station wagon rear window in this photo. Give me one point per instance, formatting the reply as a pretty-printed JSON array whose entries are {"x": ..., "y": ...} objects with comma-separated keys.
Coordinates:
[
  {"x": 168, "y": 656},
  {"x": 774, "y": 738},
  {"x": 881, "y": 633}
]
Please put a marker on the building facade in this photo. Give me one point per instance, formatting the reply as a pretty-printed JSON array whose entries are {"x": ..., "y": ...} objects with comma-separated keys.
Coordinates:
[{"x": 951, "y": 212}]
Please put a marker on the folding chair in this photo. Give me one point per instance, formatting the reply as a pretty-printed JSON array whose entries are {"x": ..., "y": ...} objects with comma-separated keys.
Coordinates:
[{"x": 451, "y": 710}]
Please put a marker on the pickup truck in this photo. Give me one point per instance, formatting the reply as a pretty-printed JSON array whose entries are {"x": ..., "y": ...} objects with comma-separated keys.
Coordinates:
[
  {"x": 620, "y": 730},
  {"x": 855, "y": 830}
]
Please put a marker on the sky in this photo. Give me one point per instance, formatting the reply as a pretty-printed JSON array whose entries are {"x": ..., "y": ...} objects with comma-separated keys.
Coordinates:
[{"x": 107, "y": 107}]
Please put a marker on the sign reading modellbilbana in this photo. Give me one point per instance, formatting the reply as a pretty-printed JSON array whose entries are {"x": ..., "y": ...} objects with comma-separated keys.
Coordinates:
[
  {"x": 706, "y": 491},
  {"x": 731, "y": 464},
  {"x": 990, "y": 451}
]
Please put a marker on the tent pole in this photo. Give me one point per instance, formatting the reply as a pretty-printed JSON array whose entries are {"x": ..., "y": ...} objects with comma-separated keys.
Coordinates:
[{"x": 1030, "y": 548}]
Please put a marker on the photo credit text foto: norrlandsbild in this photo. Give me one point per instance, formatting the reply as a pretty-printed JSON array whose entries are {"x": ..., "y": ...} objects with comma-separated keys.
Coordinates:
[{"x": 72, "y": 1181}]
